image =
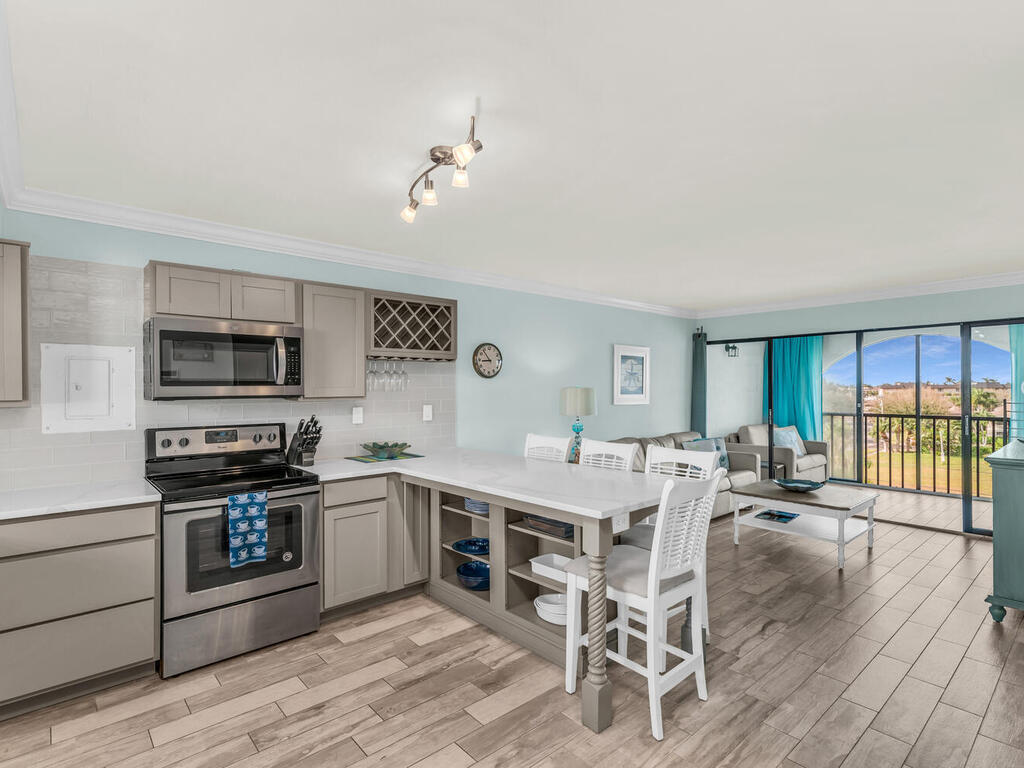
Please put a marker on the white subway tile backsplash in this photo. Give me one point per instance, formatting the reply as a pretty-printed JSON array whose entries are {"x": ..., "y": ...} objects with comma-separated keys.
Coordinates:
[{"x": 75, "y": 302}]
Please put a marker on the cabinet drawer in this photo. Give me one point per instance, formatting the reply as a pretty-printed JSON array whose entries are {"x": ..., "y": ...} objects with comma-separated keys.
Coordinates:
[
  {"x": 46, "y": 655},
  {"x": 46, "y": 533},
  {"x": 45, "y": 587},
  {"x": 351, "y": 491}
]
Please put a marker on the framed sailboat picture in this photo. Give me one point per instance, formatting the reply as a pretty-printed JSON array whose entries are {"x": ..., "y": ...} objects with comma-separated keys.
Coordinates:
[{"x": 632, "y": 377}]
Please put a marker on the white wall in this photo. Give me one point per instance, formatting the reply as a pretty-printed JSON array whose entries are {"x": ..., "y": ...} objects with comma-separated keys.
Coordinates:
[{"x": 735, "y": 387}]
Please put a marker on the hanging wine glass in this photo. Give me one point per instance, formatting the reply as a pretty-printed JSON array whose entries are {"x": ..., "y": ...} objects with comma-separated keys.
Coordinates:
[
  {"x": 371, "y": 367},
  {"x": 404, "y": 378}
]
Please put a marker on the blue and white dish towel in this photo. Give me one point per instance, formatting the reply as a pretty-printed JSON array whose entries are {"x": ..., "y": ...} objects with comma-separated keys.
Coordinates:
[{"x": 247, "y": 528}]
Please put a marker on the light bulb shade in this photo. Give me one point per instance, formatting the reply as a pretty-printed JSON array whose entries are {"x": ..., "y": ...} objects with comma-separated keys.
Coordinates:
[
  {"x": 429, "y": 193},
  {"x": 409, "y": 212},
  {"x": 463, "y": 153},
  {"x": 460, "y": 178},
  {"x": 578, "y": 401}
]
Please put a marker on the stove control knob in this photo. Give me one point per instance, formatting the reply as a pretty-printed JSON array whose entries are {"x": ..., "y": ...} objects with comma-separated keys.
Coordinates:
[
  {"x": 257, "y": 438},
  {"x": 165, "y": 443},
  {"x": 183, "y": 442},
  {"x": 271, "y": 437}
]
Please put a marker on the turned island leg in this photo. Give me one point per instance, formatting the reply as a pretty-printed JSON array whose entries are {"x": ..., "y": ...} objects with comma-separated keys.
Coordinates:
[{"x": 596, "y": 689}]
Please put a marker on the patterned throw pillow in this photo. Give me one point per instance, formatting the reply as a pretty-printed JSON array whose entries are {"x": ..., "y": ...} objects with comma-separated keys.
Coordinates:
[
  {"x": 788, "y": 437},
  {"x": 711, "y": 444}
]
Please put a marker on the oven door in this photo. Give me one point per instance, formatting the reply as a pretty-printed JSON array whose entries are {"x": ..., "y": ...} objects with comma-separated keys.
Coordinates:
[
  {"x": 221, "y": 358},
  {"x": 197, "y": 575}
]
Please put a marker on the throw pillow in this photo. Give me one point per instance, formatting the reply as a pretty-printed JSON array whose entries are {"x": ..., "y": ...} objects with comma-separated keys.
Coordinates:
[
  {"x": 710, "y": 444},
  {"x": 788, "y": 437}
]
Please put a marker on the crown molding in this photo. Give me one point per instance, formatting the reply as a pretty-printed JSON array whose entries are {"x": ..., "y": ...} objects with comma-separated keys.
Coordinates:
[
  {"x": 127, "y": 217},
  {"x": 979, "y": 282}
]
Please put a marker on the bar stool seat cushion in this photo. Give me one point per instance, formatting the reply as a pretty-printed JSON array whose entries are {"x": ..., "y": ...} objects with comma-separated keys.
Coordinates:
[{"x": 626, "y": 570}]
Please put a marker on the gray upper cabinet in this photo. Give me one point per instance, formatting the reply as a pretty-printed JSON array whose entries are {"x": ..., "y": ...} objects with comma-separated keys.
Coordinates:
[
  {"x": 13, "y": 278},
  {"x": 187, "y": 291},
  {"x": 401, "y": 325},
  {"x": 178, "y": 290},
  {"x": 262, "y": 298},
  {"x": 334, "y": 341}
]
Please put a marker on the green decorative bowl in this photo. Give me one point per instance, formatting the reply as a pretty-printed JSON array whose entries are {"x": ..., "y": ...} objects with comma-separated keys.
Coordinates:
[{"x": 385, "y": 450}]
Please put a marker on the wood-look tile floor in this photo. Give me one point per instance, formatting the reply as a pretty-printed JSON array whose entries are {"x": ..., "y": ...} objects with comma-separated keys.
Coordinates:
[
  {"x": 892, "y": 663},
  {"x": 944, "y": 512}
]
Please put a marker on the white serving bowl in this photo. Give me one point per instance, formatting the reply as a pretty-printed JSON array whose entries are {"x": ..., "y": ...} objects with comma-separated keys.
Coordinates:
[{"x": 551, "y": 608}]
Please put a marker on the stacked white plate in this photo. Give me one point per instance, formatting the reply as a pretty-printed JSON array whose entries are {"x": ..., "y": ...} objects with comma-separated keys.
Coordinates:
[
  {"x": 477, "y": 507},
  {"x": 551, "y": 608}
]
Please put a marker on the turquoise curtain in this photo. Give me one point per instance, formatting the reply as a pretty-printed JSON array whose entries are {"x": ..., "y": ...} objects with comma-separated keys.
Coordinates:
[
  {"x": 1017, "y": 393},
  {"x": 797, "y": 384}
]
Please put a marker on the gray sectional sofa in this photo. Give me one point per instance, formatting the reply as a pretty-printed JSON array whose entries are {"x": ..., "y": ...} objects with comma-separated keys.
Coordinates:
[{"x": 744, "y": 464}]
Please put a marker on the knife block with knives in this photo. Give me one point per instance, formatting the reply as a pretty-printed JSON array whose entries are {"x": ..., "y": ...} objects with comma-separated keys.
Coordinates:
[{"x": 302, "y": 449}]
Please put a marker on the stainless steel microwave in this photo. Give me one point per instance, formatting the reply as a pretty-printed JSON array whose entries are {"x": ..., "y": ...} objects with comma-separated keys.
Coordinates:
[{"x": 200, "y": 357}]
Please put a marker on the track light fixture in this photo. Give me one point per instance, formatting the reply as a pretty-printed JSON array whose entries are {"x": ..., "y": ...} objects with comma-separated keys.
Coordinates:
[
  {"x": 443, "y": 154},
  {"x": 429, "y": 193}
]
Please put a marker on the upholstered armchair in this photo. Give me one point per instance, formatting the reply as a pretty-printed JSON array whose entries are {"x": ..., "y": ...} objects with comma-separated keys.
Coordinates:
[{"x": 813, "y": 465}]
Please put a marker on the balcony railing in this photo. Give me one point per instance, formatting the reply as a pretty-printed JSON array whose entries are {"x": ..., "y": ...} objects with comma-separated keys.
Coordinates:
[{"x": 913, "y": 452}]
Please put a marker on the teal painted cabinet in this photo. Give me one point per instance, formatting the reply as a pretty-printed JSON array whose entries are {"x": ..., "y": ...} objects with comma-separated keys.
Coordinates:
[{"x": 1007, "y": 529}]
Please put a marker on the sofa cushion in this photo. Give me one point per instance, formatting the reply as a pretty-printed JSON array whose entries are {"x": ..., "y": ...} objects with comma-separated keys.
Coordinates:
[
  {"x": 678, "y": 438},
  {"x": 810, "y": 461},
  {"x": 754, "y": 434},
  {"x": 737, "y": 479},
  {"x": 788, "y": 437},
  {"x": 711, "y": 444}
]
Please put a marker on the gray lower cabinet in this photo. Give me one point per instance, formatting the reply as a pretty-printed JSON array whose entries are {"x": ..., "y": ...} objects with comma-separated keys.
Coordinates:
[
  {"x": 334, "y": 341},
  {"x": 77, "y": 598},
  {"x": 376, "y": 535},
  {"x": 355, "y": 552}
]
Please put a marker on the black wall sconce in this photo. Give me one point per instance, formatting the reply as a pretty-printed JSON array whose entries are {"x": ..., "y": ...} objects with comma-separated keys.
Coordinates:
[{"x": 732, "y": 350}]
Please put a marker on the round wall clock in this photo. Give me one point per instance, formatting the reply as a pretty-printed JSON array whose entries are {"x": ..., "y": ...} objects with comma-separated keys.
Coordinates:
[{"x": 487, "y": 360}]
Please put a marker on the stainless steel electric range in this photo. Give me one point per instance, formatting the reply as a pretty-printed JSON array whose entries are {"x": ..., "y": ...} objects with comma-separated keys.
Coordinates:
[{"x": 211, "y": 611}]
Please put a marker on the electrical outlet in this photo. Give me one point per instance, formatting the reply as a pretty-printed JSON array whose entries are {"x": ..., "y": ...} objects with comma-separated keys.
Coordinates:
[
  {"x": 428, "y": 412},
  {"x": 357, "y": 414}
]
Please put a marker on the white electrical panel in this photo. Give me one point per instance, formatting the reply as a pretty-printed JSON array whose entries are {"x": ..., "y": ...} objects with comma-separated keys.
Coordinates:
[{"x": 85, "y": 388}]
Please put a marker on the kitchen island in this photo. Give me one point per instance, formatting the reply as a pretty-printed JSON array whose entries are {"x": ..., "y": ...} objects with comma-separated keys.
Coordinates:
[{"x": 597, "y": 502}]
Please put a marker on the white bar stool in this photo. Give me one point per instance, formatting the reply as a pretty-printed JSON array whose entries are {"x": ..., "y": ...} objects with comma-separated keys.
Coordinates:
[
  {"x": 619, "y": 456},
  {"x": 653, "y": 582}
]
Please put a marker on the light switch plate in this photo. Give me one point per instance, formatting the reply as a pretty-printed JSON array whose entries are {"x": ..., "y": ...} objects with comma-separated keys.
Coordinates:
[
  {"x": 428, "y": 412},
  {"x": 357, "y": 414}
]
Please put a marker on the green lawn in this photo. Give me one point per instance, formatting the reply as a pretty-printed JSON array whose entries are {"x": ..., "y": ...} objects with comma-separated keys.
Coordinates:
[{"x": 904, "y": 473}]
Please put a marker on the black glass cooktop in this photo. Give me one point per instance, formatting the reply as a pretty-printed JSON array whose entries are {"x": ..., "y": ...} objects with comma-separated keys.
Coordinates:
[{"x": 211, "y": 485}]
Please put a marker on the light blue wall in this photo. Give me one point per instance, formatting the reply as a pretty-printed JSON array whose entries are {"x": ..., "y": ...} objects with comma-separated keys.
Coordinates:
[
  {"x": 1004, "y": 302},
  {"x": 546, "y": 343}
]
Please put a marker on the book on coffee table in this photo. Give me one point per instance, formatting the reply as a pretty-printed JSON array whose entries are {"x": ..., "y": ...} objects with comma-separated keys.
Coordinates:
[{"x": 776, "y": 516}]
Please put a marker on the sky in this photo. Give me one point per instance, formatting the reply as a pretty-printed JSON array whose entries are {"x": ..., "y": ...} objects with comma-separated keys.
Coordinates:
[{"x": 892, "y": 360}]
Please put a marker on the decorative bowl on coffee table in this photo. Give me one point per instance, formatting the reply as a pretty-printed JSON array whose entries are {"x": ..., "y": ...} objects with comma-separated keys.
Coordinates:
[{"x": 797, "y": 485}]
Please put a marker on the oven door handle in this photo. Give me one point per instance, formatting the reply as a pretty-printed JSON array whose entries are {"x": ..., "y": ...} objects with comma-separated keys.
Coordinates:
[{"x": 279, "y": 365}]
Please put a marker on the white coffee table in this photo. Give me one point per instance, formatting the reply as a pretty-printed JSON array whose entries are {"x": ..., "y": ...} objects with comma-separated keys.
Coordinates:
[{"x": 826, "y": 514}]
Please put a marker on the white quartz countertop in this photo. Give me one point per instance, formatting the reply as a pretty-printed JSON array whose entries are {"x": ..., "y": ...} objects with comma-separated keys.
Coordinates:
[
  {"x": 51, "y": 500},
  {"x": 586, "y": 491}
]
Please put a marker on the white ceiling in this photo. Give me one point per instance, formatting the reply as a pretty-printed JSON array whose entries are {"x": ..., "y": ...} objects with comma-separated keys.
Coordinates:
[{"x": 700, "y": 155}]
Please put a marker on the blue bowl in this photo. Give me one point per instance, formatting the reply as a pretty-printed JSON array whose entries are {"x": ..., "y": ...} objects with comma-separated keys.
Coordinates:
[
  {"x": 799, "y": 486},
  {"x": 472, "y": 546},
  {"x": 474, "y": 575}
]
